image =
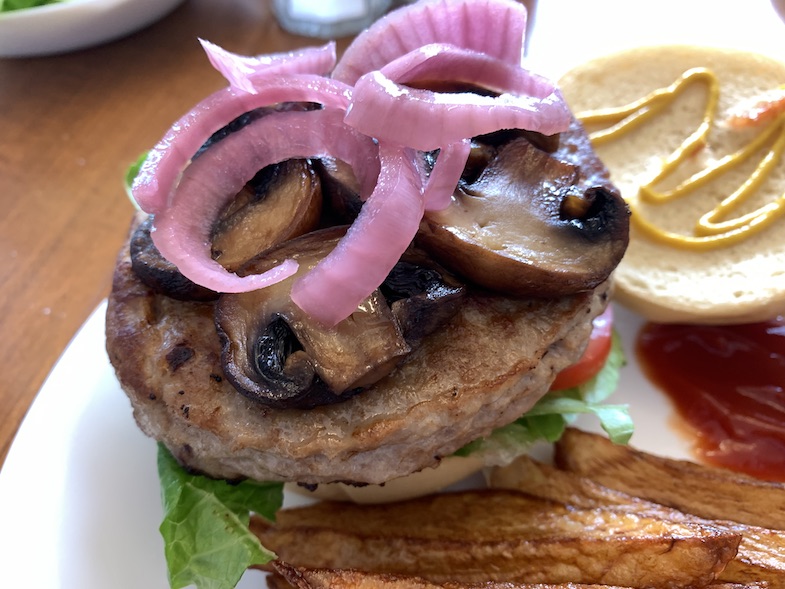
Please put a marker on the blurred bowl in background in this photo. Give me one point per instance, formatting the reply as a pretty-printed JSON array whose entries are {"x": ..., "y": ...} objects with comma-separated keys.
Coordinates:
[{"x": 75, "y": 24}]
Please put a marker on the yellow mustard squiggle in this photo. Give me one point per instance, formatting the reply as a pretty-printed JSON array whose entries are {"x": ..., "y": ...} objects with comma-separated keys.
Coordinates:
[{"x": 710, "y": 230}]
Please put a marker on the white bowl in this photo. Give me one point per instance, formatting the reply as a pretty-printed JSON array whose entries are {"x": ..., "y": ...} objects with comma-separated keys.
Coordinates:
[{"x": 75, "y": 24}]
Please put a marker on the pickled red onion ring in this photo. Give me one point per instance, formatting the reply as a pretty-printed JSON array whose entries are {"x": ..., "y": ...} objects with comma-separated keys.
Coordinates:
[
  {"x": 438, "y": 62},
  {"x": 427, "y": 120},
  {"x": 154, "y": 186},
  {"x": 445, "y": 175},
  {"x": 493, "y": 27},
  {"x": 386, "y": 225},
  {"x": 375, "y": 126},
  {"x": 182, "y": 230},
  {"x": 443, "y": 62},
  {"x": 241, "y": 71}
]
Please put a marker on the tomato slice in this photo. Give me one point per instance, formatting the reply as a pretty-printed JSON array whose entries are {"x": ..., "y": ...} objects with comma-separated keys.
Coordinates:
[{"x": 593, "y": 358}]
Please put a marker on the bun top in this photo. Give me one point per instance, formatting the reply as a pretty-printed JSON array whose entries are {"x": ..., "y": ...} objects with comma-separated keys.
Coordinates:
[{"x": 734, "y": 280}]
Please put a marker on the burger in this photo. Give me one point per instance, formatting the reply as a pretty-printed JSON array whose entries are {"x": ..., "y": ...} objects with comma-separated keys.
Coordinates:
[{"x": 344, "y": 273}]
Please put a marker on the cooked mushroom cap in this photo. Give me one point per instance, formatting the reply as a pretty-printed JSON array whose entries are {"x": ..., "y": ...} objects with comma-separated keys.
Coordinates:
[
  {"x": 281, "y": 202},
  {"x": 530, "y": 224}
]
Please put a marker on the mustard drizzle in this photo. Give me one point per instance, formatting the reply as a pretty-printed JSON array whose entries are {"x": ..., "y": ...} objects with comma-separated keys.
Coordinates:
[{"x": 710, "y": 231}]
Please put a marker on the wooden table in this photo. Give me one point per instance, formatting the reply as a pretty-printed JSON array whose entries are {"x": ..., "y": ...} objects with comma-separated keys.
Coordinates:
[{"x": 69, "y": 127}]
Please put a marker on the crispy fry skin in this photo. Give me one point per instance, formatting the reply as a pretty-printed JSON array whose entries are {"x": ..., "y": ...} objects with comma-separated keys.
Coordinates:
[
  {"x": 301, "y": 578},
  {"x": 548, "y": 482},
  {"x": 289, "y": 577},
  {"x": 502, "y": 536},
  {"x": 705, "y": 491},
  {"x": 761, "y": 555}
]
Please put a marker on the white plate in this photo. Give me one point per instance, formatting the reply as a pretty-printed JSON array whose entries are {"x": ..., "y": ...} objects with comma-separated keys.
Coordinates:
[
  {"x": 570, "y": 31},
  {"x": 75, "y": 24},
  {"x": 79, "y": 500}
]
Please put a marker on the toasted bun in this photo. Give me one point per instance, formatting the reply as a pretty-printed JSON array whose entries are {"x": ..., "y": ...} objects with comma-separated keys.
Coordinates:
[
  {"x": 449, "y": 471},
  {"x": 485, "y": 368},
  {"x": 733, "y": 284}
]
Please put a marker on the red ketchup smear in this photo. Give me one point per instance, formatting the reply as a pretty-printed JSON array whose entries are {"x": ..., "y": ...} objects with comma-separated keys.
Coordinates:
[{"x": 728, "y": 384}]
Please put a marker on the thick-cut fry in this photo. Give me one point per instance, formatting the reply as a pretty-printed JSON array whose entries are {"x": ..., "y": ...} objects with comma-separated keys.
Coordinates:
[
  {"x": 705, "y": 491},
  {"x": 289, "y": 577},
  {"x": 761, "y": 554},
  {"x": 548, "y": 482},
  {"x": 301, "y": 578},
  {"x": 497, "y": 535}
]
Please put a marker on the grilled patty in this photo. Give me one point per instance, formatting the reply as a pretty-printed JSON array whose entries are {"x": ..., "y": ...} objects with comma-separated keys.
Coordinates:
[{"x": 485, "y": 368}]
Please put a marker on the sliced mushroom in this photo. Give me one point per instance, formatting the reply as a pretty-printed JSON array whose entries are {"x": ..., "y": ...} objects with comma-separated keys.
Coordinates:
[
  {"x": 549, "y": 143},
  {"x": 159, "y": 273},
  {"x": 485, "y": 147},
  {"x": 422, "y": 295},
  {"x": 480, "y": 156},
  {"x": 340, "y": 190},
  {"x": 303, "y": 364},
  {"x": 275, "y": 354},
  {"x": 281, "y": 202},
  {"x": 530, "y": 226}
]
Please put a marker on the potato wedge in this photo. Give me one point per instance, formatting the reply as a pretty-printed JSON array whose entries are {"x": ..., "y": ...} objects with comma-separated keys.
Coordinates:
[
  {"x": 761, "y": 554},
  {"x": 498, "y": 535},
  {"x": 301, "y": 578},
  {"x": 705, "y": 491},
  {"x": 289, "y": 577},
  {"x": 549, "y": 482}
]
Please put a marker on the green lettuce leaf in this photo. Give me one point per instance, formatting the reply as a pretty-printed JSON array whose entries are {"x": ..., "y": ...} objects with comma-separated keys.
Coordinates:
[
  {"x": 130, "y": 174},
  {"x": 9, "y": 5},
  {"x": 550, "y": 416},
  {"x": 205, "y": 526}
]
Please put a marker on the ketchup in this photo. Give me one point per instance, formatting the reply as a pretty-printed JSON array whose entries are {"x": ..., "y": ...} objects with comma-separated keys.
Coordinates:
[{"x": 728, "y": 384}]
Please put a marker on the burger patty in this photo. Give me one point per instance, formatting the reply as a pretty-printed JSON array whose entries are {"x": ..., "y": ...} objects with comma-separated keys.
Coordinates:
[{"x": 485, "y": 368}]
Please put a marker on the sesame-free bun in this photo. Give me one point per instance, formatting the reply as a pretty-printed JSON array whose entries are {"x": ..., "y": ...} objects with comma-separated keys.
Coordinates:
[
  {"x": 450, "y": 470},
  {"x": 744, "y": 282}
]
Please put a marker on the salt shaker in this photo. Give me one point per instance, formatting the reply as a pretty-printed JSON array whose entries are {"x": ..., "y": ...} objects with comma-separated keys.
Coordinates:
[{"x": 328, "y": 19}]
